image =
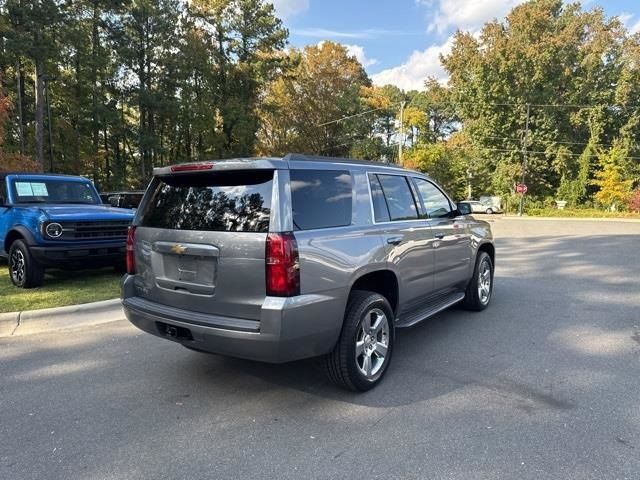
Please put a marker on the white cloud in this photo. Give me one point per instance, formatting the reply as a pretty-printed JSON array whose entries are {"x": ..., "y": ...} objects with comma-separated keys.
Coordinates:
[
  {"x": 290, "y": 8},
  {"x": 465, "y": 14},
  {"x": 367, "y": 33},
  {"x": 420, "y": 65},
  {"x": 358, "y": 52},
  {"x": 325, "y": 33},
  {"x": 625, "y": 17}
]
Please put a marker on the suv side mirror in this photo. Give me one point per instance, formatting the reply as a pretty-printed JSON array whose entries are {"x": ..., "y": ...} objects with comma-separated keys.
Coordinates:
[{"x": 464, "y": 208}]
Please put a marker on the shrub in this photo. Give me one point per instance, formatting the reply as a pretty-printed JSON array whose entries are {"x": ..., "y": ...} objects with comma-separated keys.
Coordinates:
[{"x": 634, "y": 201}]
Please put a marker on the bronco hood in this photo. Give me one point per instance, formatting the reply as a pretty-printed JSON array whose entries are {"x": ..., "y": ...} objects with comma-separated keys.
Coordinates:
[{"x": 80, "y": 213}]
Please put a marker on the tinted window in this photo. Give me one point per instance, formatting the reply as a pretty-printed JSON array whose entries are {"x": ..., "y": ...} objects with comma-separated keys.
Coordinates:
[
  {"x": 435, "y": 202},
  {"x": 221, "y": 202},
  {"x": 380, "y": 210},
  {"x": 321, "y": 198},
  {"x": 399, "y": 197},
  {"x": 27, "y": 190}
]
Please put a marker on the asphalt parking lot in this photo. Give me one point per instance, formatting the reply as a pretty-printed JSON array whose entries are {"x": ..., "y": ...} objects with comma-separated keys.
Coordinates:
[{"x": 543, "y": 384}]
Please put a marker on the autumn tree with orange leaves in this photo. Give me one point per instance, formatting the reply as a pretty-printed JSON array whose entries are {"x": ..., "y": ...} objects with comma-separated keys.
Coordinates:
[{"x": 11, "y": 162}]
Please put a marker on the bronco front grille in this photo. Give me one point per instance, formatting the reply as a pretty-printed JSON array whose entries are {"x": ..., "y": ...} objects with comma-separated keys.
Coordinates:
[{"x": 98, "y": 230}]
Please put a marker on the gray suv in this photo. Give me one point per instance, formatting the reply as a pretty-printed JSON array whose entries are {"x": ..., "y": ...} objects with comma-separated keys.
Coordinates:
[{"x": 279, "y": 259}]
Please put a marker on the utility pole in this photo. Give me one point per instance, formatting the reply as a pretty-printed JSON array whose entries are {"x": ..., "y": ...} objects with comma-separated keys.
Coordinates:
[
  {"x": 525, "y": 137},
  {"x": 401, "y": 142}
]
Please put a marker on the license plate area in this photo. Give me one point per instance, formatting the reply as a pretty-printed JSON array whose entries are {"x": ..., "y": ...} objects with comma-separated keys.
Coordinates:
[{"x": 188, "y": 268}]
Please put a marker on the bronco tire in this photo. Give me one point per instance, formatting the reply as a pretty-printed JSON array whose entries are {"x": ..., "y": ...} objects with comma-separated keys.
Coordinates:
[
  {"x": 363, "y": 352},
  {"x": 24, "y": 270}
]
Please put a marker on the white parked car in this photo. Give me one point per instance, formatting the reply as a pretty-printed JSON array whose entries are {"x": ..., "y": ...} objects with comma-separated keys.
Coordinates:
[{"x": 482, "y": 207}]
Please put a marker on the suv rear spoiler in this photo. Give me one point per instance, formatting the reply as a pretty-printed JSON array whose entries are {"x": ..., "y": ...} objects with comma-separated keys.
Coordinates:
[{"x": 264, "y": 163}]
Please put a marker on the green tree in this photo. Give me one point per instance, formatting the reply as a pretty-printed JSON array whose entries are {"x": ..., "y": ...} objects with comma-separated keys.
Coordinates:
[
  {"x": 244, "y": 37},
  {"x": 547, "y": 54},
  {"x": 614, "y": 190},
  {"x": 30, "y": 29},
  {"x": 301, "y": 107}
]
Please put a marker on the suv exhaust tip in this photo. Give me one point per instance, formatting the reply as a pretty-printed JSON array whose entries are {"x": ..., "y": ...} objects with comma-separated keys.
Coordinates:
[{"x": 176, "y": 333}]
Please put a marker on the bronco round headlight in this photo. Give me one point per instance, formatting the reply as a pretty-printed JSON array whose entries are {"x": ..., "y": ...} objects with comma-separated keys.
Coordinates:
[{"x": 54, "y": 230}]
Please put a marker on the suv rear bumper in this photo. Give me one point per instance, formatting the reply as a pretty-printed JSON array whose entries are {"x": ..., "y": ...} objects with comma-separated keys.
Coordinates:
[
  {"x": 289, "y": 329},
  {"x": 85, "y": 255}
]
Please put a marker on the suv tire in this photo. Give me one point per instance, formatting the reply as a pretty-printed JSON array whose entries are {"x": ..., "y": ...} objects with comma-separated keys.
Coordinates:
[
  {"x": 489, "y": 211},
  {"x": 480, "y": 287},
  {"x": 24, "y": 270},
  {"x": 365, "y": 344}
]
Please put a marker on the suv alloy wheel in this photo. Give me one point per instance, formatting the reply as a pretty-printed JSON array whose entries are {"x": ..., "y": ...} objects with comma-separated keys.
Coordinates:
[{"x": 363, "y": 352}]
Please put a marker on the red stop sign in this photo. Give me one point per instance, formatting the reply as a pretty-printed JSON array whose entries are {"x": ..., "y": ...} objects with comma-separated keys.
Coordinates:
[{"x": 521, "y": 188}]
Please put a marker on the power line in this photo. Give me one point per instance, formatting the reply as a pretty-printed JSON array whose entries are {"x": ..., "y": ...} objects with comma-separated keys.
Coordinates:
[
  {"x": 493, "y": 104},
  {"x": 544, "y": 105},
  {"x": 517, "y": 150},
  {"x": 504, "y": 104},
  {"x": 357, "y": 115},
  {"x": 356, "y": 140},
  {"x": 550, "y": 141}
]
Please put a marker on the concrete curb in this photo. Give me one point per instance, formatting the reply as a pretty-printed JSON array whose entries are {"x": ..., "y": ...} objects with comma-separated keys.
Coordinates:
[
  {"x": 571, "y": 219},
  {"x": 52, "y": 319}
]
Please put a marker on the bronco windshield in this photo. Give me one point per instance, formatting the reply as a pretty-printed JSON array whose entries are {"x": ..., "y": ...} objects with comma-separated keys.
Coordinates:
[{"x": 27, "y": 190}]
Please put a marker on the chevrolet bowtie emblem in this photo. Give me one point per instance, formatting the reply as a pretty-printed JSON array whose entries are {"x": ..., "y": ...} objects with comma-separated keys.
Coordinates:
[{"x": 178, "y": 249}]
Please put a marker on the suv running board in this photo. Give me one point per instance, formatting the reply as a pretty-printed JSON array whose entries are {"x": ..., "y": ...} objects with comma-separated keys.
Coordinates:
[{"x": 408, "y": 320}]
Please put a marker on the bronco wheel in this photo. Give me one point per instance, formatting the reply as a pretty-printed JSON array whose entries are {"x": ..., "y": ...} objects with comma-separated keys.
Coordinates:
[
  {"x": 24, "y": 270},
  {"x": 489, "y": 211},
  {"x": 480, "y": 288},
  {"x": 363, "y": 352}
]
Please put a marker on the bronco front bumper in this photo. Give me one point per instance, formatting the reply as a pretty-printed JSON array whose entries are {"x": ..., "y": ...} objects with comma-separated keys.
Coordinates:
[{"x": 85, "y": 255}]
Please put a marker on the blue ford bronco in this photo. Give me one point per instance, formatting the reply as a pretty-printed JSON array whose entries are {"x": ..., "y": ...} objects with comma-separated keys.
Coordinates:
[{"x": 58, "y": 221}]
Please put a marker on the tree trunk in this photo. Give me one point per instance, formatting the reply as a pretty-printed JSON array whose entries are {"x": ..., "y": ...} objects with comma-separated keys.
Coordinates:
[
  {"x": 39, "y": 113},
  {"x": 95, "y": 126},
  {"x": 19, "y": 102},
  {"x": 107, "y": 167}
]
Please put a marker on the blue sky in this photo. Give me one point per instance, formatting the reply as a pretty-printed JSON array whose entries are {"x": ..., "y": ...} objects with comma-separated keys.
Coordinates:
[{"x": 399, "y": 41}]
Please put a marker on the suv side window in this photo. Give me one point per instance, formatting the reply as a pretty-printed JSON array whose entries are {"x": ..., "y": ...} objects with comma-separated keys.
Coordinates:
[
  {"x": 435, "y": 202},
  {"x": 321, "y": 198},
  {"x": 400, "y": 201},
  {"x": 380, "y": 209}
]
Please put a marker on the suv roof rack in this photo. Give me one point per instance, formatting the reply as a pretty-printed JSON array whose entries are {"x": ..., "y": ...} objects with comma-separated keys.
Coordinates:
[
  {"x": 273, "y": 162},
  {"x": 319, "y": 158}
]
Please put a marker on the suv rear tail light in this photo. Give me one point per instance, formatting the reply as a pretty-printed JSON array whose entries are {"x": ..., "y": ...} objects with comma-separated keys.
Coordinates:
[
  {"x": 131, "y": 256},
  {"x": 282, "y": 265}
]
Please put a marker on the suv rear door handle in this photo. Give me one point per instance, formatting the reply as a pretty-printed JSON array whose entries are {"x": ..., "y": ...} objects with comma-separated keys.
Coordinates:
[
  {"x": 439, "y": 235},
  {"x": 394, "y": 240}
]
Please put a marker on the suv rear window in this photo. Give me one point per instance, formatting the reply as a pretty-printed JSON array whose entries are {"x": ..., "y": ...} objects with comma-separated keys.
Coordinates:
[
  {"x": 219, "y": 202},
  {"x": 321, "y": 198}
]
